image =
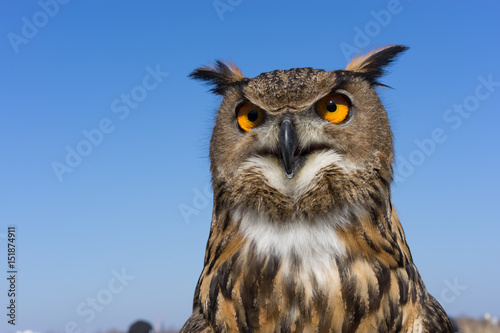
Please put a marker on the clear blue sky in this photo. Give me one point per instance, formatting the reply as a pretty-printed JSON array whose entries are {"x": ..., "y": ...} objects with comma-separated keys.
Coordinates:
[{"x": 67, "y": 71}]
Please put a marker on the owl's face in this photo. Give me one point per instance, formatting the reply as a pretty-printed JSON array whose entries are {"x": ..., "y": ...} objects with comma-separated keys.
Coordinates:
[{"x": 299, "y": 141}]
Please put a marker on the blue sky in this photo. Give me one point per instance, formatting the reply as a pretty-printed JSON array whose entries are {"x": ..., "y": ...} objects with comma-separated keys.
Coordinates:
[{"x": 103, "y": 241}]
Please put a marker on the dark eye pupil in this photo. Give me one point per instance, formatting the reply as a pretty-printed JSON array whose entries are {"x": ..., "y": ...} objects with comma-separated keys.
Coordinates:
[
  {"x": 253, "y": 115},
  {"x": 331, "y": 107}
]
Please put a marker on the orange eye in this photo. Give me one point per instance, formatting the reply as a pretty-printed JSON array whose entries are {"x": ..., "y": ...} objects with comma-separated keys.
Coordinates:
[
  {"x": 333, "y": 107},
  {"x": 249, "y": 116}
]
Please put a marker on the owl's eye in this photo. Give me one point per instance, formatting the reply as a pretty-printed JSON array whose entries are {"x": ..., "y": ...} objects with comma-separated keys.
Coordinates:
[
  {"x": 249, "y": 116},
  {"x": 333, "y": 107}
]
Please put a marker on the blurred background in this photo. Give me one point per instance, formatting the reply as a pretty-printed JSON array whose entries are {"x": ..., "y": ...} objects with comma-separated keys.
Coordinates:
[{"x": 104, "y": 169}]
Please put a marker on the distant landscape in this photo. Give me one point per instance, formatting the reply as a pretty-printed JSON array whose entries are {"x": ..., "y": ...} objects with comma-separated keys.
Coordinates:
[
  {"x": 470, "y": 325},
  {"x": 464, "y": 324}
]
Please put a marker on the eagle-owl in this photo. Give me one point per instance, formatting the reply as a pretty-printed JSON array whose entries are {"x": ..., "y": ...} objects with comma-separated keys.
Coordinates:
[{"x": 304, "y": 237}]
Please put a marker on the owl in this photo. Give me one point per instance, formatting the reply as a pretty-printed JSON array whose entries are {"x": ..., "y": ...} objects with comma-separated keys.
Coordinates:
[{"x": 304, "y": 237}]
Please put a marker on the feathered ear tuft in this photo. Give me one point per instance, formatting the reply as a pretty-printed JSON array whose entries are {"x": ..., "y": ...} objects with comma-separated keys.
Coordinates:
[
  {"x": 221, "y": 75},
  {"x": 372, "y": 65}
]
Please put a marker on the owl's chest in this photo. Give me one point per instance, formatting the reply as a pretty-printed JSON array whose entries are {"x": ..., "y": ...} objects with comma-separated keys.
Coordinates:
[
  {"x": 298, "y": 277},
  {"x": 274, "y": 293},
  {"x": 282, "y": 277}
]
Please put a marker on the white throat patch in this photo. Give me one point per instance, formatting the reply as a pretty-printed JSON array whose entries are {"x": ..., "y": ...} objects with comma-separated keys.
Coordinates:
[{"x": 313, "y": 244}]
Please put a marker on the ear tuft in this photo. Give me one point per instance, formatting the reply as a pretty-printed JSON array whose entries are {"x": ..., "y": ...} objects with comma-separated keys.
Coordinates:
[
  {"x": 372, "y": 65},
  {"x": 221, "y": 75}
]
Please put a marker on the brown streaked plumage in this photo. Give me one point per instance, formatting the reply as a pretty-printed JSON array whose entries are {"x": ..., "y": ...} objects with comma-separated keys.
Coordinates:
[{"x": 304, "y": 237}]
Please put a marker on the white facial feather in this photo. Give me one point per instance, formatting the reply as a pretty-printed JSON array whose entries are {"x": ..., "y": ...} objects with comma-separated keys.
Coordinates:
[{"x": 272, "y": 169}]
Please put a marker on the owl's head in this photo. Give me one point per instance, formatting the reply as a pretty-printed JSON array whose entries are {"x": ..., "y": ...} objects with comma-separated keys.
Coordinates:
[{"x": 303, "y": 141}]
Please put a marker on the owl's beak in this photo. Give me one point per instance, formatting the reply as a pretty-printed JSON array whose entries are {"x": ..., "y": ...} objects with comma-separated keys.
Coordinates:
[{"x": 288, "y": 142}]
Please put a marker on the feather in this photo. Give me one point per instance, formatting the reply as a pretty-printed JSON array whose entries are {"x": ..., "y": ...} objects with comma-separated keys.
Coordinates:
[
  {"x": 373, "y": 64},
  {"x": 221, "y": 75}
]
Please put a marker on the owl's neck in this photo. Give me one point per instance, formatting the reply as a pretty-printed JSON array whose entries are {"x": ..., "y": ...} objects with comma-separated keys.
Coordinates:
[
  {"x": 313, "y": 246},
  {"x": 371, "y": 232},
  {"x": 308, "y": 247}
]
